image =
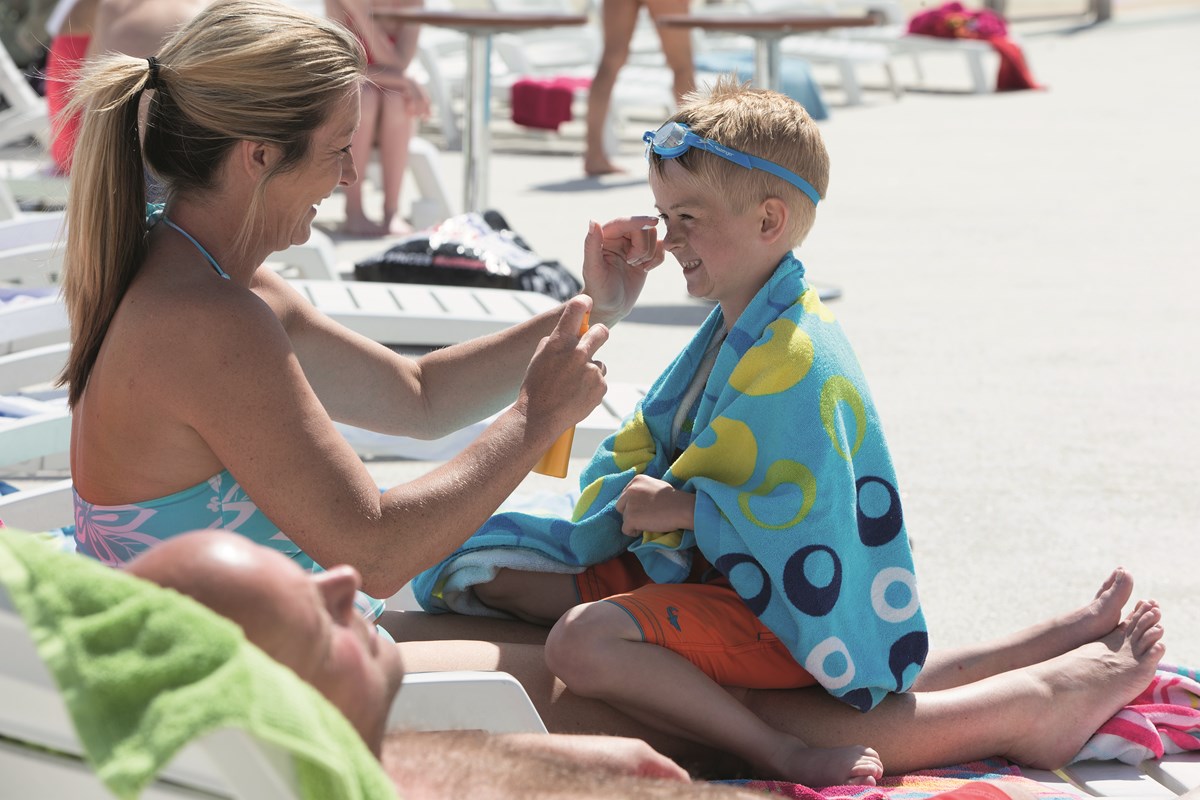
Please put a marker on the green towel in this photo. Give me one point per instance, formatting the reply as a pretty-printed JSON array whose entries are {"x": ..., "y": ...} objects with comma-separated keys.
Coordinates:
[{"x": 145, "y": 670}]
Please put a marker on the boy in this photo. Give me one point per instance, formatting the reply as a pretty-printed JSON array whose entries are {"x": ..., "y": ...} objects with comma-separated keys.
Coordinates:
[{"x": 754, "y": 479}]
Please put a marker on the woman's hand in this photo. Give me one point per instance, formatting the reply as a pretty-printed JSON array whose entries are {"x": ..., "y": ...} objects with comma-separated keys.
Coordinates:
[
  {"x": 563, "y": 383},
  {"x": 648, "y": 504},
  {"x": 616, "y": 258}
]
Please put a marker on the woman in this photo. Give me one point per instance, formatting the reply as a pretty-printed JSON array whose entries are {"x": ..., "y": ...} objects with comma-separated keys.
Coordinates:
[{"x": 203, "y": 385}]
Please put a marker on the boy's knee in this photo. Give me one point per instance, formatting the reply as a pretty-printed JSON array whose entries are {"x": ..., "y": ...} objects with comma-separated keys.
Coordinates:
[{"x": 578, "y": 648}]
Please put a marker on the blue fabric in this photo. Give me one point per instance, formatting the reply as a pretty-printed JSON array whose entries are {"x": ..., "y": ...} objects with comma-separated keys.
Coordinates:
[
  {"x": 795, "y": 78},
  {"x": 796, "y": 498},
  {"x": 115, "y": 534}
]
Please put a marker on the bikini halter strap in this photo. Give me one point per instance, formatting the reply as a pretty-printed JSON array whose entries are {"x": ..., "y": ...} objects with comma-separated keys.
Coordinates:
[{"x": 199, "y": 247}]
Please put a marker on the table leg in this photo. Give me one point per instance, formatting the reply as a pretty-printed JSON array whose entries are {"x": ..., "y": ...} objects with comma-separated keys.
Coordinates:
[
  {"x": 766, "y": 62},
  {"x": 475, "y": 127}
]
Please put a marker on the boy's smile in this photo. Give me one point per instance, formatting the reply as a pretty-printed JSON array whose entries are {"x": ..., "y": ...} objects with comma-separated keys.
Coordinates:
[{"x": 721, "y": 251}]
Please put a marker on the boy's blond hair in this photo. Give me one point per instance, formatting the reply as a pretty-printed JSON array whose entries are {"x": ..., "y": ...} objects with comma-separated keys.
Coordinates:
[{"x": 760, "y": 123}]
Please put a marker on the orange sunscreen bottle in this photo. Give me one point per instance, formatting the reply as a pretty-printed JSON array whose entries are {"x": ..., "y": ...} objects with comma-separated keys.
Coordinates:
[{"x": 556, "y": 460}]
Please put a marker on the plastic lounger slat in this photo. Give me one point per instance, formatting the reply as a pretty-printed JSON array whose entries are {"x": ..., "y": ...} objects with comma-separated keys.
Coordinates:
[
  {"x": 331, "y": 297},
  {"x": 373, "y": 299},
  {"x": 1114, "y": 779},
  {"x": 1055, "y": 781},
  {"x": 460, "y": 302},
  {"x": 1179, "y": 773},
  {"x": 416, "y": 299}
]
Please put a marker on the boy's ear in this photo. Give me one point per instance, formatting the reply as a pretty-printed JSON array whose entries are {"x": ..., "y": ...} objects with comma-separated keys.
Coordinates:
[{"x": 773, "y": 215}]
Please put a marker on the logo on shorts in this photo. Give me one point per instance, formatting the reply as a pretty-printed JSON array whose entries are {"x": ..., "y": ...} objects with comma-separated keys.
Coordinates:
[{"x": 673, "y": 618}]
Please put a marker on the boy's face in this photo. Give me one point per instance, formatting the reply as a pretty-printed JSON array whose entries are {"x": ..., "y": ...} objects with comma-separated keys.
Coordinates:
[{"x": 720, "y": 250}]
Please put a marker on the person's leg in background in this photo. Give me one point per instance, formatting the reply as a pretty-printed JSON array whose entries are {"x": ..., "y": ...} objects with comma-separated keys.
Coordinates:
[
  {"x": 357, "y": 223},
  {"x": 676, "y": 46},
  {"x": 618, "y": 18},
  {"x": 396, "y": 126}
]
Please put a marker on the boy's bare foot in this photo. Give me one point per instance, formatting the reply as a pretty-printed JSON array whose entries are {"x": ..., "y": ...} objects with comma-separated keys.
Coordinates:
[
  {"x": 1098, "y": 618},
  {"x": 1085, "y": 687},
  {"x": 818, "y": 767}
]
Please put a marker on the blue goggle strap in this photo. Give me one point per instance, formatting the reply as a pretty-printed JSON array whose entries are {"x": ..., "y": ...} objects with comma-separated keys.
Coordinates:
[{"x": 736, "y": 156}]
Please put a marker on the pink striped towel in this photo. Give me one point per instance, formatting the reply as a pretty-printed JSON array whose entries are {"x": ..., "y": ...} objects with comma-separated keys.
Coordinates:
[{"x": 1162, "y": 720}]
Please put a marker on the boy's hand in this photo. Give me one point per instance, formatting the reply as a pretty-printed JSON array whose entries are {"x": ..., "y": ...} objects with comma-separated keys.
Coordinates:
[
  {"x": 616, "y": 258},
  {"x": 648, "y": 504}
]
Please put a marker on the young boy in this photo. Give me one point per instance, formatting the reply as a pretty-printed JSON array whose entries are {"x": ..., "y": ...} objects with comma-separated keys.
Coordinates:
[{"x": 768, "y": 547}]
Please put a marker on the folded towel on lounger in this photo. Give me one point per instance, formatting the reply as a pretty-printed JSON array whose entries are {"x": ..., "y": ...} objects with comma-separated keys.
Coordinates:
[
  {"x": 1162, "y": 720},
  {"x": 145, "y": 670}
]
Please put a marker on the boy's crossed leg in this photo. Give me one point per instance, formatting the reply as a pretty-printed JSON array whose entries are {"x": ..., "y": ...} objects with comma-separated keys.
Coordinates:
[{"x": 660, "y": 654}]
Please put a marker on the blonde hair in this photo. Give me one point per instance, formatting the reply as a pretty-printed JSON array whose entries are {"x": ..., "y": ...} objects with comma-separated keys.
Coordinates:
[
  {"x": 760, "y": 123},
  {"x": 241, "y": 70}
]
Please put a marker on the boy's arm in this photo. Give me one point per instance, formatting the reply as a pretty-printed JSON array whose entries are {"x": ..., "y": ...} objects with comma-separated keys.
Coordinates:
[{"x": 648, "y": 504}]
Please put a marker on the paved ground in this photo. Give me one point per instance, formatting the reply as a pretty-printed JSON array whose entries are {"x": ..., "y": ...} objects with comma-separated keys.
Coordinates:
[{"x": 1020, "y": 285}]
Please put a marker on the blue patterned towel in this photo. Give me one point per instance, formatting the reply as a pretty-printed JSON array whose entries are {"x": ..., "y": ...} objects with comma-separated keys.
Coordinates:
[{"x": 796, "y": 498}]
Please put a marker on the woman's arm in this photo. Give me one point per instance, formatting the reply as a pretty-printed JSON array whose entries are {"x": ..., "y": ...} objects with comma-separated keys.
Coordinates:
[
  {"x": 243, "y": 391},
  {"x": 365, "y": 384}
]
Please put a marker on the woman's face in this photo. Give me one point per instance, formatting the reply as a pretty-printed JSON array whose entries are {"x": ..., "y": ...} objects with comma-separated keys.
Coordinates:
[{"x": 292, "y": 197}]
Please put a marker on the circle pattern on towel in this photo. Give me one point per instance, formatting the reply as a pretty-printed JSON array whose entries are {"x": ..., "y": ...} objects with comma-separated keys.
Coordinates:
[
  {"x": 827, "y": 674},
  {"x": 776, "y": 364},
  {"x": 730, "y": 459},
  {"x": 886, "y": 580},
  {"x": 726, "y": 565},
  {"x": 778, "y": 474},
  {"x": 880, "y": 519},
  {"x": 812, "y": 579},
  {"x": 839, "y": 389},
  {"x": 633, "y": 446},
  {"x": 810, "y": 301}
]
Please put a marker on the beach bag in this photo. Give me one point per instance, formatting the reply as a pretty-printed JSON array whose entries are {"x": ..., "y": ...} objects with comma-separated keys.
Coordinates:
[{"x": 475, "y": 249}]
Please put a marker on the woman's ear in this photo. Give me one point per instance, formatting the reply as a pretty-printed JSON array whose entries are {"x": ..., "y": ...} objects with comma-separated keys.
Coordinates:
[
  {"x": 256, "y": 159},
  {"x": 773, "y": 215}
]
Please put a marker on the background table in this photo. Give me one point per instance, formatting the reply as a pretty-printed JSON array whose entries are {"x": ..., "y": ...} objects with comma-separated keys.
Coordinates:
[
  {"x": 768, "y": 30},
  {"x": 479, "y": 26}
]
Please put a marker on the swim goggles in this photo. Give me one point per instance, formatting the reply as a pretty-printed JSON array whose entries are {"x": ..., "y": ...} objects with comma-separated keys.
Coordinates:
[{"x": 674, "y": 139}]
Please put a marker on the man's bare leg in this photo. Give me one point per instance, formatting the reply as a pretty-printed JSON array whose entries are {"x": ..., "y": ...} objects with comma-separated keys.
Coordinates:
[{"x": 945, "y": 669}]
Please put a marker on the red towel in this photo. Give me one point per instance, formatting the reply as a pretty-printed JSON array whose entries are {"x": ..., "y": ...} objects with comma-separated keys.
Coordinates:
[
  {"x": 1014, "y": 72},
  {"x": 545, "y": 102},
  {"x": 953, "y": 21}
]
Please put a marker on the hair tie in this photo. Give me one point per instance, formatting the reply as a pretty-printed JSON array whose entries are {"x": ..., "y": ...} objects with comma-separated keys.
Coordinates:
[{"x": 152, "y": 81}]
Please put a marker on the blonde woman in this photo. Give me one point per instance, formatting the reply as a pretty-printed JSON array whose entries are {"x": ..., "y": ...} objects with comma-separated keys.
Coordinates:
[{"x": 204, "y": 387}]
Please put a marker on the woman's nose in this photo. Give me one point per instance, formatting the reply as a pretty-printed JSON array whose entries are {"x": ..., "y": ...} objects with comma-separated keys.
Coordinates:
[{"x": 349, "y": 171}]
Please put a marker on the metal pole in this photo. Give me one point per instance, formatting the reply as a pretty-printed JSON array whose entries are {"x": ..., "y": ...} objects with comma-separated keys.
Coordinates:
[{"x": 476, "y": 127}]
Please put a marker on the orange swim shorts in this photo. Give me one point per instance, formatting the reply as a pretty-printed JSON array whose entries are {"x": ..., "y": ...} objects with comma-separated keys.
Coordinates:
[{"x": 706, "y": 623}]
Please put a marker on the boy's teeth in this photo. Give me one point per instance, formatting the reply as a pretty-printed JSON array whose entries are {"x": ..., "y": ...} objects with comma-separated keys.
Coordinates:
[{"x": 690, "y": 264}]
